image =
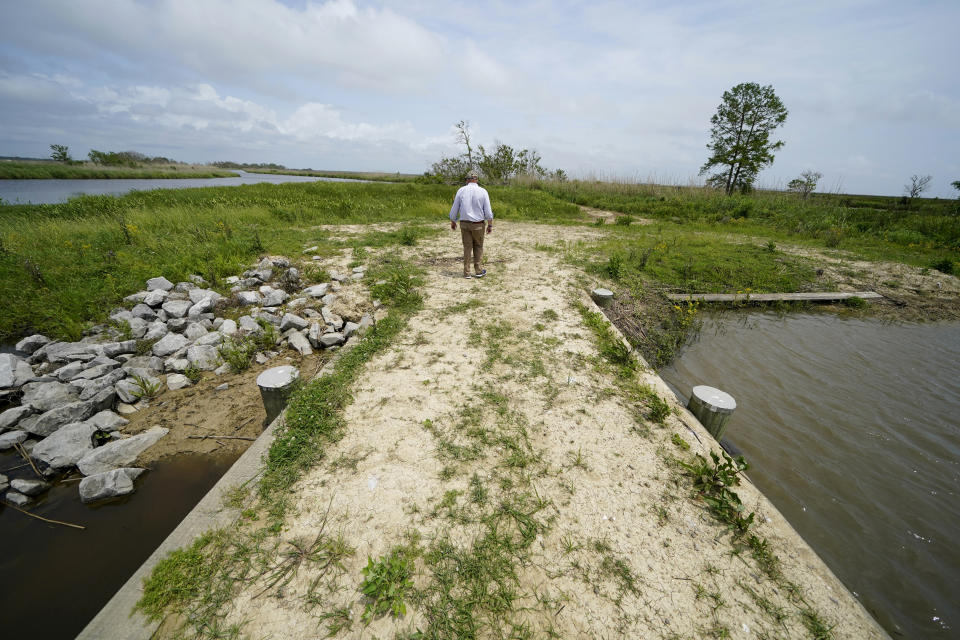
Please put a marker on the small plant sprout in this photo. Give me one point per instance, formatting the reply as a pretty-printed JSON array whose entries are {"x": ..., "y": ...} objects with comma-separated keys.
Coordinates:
[
  {"x": 386, "y": 583},
  {"x": 146, "y": 388}
]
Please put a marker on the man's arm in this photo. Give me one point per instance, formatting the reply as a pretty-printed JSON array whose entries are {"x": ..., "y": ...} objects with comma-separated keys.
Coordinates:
[
  {"x": 488, "y": 212},
  {"x": 453, "y": 211}
]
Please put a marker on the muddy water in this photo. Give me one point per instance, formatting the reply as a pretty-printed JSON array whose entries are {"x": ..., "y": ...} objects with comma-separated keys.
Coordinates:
[
  {"x": 54, "y": 579},
  {"x": 56, "y": 190},
  {"x": 852, "y": 428}
]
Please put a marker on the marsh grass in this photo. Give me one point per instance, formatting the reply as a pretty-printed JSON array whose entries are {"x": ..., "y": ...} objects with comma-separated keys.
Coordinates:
[
  {"x": 681, "y": 260},
  {"x": 874, "y": 226},
  {"x": 64, "y": 265},
  {"x": 56, "y": 170}
]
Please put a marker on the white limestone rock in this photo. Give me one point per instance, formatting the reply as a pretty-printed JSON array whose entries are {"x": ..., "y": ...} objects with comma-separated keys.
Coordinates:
[
  {"x": 10, "y": 417},
  {"x": 211, "y": 339},
  {"x": 331, "y": 318},
  {"x": 108, "y": 421},
  {"x": 177, "y": 381},
  {"x": 275, "y": 298},
  {"x": 43, "y": 396},
  {"x": 32, "y": 343},
  {"x": 14, "y": 371},
  {"x": 156, "y": 330},
  {"x": 170, "y": 343},
  {"x": 349, "y": 329},
  {"x": 144, "y": 312},
  {"x": 16, "y": 498},
  {"x": 11, "y": 438},
  {"x": 228, "y": 327},
  {"x": 194, "y": 330},
  {"x": 29, "y": 487},
  {"x": 317, "y": 290},
  {"x": 177, "y": 308},
  {"x": 111, "y": 484},
  {"x": 50, "y": 421},
  {"x": 159, "y": 283},
  {"x": 300, "y": 342},
  {"x": 331, "y": 339},
  {"x": 204, "y": 357},
  {"x": 67, "y": 446},
  {"x": 248, "y": 298},
  {"x": 155, "y": 298},
  {"x": 198, "y": 295},
  {"x": 291, "y": 321},
  {"x": 119, "y": 453}
]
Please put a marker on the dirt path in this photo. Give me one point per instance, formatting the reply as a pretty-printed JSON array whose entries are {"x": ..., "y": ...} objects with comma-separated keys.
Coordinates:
[{"x": 493, "y": 447}]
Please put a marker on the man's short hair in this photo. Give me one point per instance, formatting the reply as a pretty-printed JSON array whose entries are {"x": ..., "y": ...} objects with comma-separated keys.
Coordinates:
[{"x": 473, "y": 176}]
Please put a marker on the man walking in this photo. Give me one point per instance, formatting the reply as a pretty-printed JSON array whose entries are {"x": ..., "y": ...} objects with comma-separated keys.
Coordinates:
[{"x": 473, "y": 205}]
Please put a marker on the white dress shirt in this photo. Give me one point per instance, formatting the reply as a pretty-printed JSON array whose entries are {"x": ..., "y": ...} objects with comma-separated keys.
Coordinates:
[{"x": 473, "y": 202}]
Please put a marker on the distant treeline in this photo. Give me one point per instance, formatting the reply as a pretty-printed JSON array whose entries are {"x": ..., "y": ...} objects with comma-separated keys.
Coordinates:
[
  {"x": 224, "y": 164},
  {"x": 126, "y": 158},
  {"x": 46, "y": 169}
]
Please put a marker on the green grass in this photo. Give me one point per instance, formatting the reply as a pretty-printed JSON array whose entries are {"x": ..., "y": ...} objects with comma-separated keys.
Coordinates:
[
  {"x": 676, "y": 258},
  {"x": 874, "y": 226},
  {"x": 63, "y": 265},
  {"x": 88, "y": 171}
]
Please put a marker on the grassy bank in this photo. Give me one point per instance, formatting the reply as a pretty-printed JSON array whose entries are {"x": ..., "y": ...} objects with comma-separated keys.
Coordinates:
[
  {"x": 64, "y": 265},
  {"x": 876, "y": 227},
  {"x": 50, "y": 170},
  {"x": 372, "y": 176}
]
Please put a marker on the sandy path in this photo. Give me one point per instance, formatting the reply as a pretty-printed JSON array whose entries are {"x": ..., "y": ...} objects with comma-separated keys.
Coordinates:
[{"x": 494, "y": 404}]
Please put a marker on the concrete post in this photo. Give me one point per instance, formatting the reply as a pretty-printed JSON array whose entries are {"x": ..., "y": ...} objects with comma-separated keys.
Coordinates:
[
  {"x": 712, "y": 408},
  {"x": 602, "y": 296},
  {"x": 275, "y": 387}
]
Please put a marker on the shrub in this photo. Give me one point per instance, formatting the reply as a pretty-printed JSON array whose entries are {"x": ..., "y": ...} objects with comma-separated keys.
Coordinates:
[{"x": 944, "y": 266}]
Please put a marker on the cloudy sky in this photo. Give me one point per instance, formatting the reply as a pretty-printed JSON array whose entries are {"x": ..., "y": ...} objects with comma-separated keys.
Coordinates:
[{"x": 609, "y": 89}]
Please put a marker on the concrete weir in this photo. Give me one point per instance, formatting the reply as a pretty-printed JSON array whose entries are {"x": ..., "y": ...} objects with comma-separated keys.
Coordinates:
[{"x": 115, "y": 620}]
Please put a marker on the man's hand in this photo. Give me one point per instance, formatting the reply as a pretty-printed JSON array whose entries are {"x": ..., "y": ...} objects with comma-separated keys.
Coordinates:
[
  {"x": 453, "y": 225},
  {"x": 489, "y": 229}
]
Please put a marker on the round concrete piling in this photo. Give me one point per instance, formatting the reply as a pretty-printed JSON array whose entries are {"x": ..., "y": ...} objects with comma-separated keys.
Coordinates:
[
  {"x": 602, "y": 296},
  {"x": 275, "y": 385},
  {"x": 712, "y": 408}
]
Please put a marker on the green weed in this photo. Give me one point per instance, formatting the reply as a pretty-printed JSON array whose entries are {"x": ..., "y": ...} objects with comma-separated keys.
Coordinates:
[
  {"x": 386, "y": 584},
  {"x": 146, "y": 388}
]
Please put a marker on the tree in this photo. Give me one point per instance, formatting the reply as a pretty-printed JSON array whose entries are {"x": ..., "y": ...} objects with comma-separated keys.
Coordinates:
[
  {"x": 502, "y": 165},
  {"x": 918, "y": 184},
  {"x": 740, "y": 136},
  {"x": 60, "y": 152},
  {"x": 805, "y": 184},
  {"x": 955, "y": 184},
  {"x": 463, "y": 137}
]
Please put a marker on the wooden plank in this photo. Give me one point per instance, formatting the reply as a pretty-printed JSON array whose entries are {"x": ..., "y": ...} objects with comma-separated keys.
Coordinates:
[{"x": 819, "y": 296}]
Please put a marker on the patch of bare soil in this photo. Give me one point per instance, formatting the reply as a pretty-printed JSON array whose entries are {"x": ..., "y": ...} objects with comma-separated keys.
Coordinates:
[
  {"x": 609, "y": 217},
  {"x": 197, "y": 414},
  {"x": 536, "y": 498},
  {"x": 910, "y": 293}
]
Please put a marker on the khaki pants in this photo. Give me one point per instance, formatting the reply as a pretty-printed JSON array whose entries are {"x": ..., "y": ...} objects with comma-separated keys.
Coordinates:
[{"x": 472, "y": 234}]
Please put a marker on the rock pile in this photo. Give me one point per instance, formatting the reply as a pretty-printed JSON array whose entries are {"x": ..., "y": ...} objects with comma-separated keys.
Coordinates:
[{"x": 71, "y": 394}]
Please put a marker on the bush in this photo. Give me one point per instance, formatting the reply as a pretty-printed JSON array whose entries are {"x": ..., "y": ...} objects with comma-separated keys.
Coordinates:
[{"x": 944, "y": 266}]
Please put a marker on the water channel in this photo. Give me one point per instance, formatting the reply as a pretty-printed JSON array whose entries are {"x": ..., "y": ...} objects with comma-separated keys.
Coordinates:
[
  {"x": 54, "y": 579},
  {"x": 851, "y": 428},
  {"x": 54, "y": 191}
]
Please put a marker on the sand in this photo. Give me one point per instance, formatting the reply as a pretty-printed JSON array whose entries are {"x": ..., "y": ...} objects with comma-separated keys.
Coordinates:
[{"x": 497, "y": 385}]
